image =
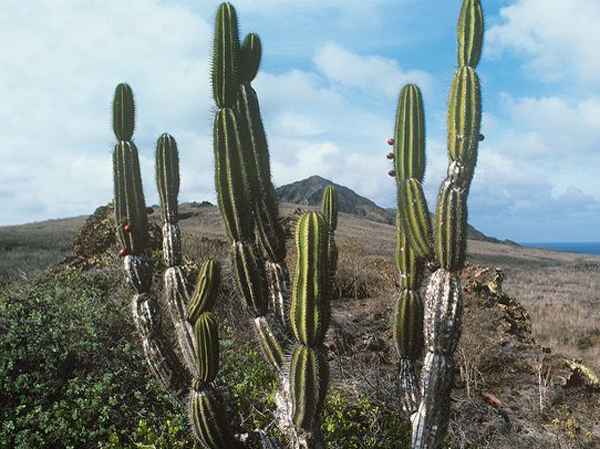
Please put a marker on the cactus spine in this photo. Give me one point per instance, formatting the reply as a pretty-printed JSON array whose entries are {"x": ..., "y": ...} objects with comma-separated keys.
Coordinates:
[{"x": 445, "y": 245}]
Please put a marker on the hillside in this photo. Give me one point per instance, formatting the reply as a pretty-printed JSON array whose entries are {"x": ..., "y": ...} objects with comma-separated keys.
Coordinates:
[
  {"x": 516, "y": 384},
  {"x": 309, "y": 191}
]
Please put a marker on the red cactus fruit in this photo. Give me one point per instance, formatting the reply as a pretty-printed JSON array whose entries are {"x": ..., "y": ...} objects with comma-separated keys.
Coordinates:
[
  {"x": 126, "y": 227},
  {"x": 390, "y": 155},
  {"x": 392, "y": 173},
  {"x": 123, "y": 252},
  {"x": 390, "y": 141}
]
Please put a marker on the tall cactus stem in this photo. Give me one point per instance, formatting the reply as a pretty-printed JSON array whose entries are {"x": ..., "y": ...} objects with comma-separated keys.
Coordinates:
[
  {"x": 167, "y": 176},
  {"x": 226, "y": 49},
  {"x": 470, "y": 32},
  {"x": 123, "y": 113},
  {"x": 409, "y": 135}
]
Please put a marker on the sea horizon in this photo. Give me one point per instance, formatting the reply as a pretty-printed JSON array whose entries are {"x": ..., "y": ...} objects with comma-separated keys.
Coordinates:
[{"x": 592, "y": 248}]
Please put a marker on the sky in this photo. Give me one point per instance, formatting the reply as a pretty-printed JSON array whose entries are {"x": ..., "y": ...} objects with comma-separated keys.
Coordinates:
[{"x": 328, "y": 87}]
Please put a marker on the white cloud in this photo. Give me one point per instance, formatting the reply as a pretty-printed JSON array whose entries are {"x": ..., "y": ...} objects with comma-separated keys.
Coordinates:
[
  {"x": 556, "y": 38},
  {"x": 60, "y": 64},
  {"x": 373, "y": 74}
]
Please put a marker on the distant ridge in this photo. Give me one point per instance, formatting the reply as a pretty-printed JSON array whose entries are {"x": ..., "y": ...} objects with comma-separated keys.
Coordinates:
[{"x": 309, "y": 192}]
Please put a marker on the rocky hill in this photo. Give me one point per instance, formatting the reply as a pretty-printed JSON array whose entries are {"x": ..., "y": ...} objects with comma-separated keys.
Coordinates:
[{"x": 309, "y": 192}]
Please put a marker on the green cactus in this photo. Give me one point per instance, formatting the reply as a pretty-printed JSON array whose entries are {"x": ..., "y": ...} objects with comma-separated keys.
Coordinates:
[
  {"x": 308, "y": 384},
  {"x": 470, "y": 33},
  {"x": 309, "y": 311},
  {"x": 445, "y": 245},
  {"x": 205, "y": 293},
  {"x": 409, "y": 135},
  {"x": 207, "y": 420},
  {"x": 255, "y": 154},
  {"x": 408, "y": 325},
  {"x": 167, "y": 176},
  {"x": 464, "y": 117},
  {"x": 123, "y": 113},
  {"x": 451, "y": 228},
  {"x": 206, "y": 332},
  {"x": 226, "y": 49},
  {"x": 409, "y": 265},
  {"x": 129, "y": 205},
  {"x": 250, "y": 55},
  {"x": 229, "y": 176},
  {"x": 329, "y": 211},
  {"x": 414, "y": 216},
  {"x": 296, "y": 319},
  {"x": 249, "y": 277}
]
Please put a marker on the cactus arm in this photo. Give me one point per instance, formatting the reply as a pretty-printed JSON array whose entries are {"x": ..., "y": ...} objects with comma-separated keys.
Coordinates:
[
  {"x": 443, "y": 299},
  {"x": 270, "y": 237},
  {"x": 329, "y": 210}
]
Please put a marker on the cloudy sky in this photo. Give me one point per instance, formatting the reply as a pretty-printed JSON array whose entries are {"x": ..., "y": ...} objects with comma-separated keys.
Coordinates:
[{"x": 328, "y": 88}]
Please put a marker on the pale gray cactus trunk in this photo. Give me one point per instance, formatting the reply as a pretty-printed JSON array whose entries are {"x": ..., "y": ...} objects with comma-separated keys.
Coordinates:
[{"x": 443, "y": 311}]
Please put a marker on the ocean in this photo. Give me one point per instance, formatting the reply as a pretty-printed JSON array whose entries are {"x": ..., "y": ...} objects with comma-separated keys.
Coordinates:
[{"x": 574, "y": 247}]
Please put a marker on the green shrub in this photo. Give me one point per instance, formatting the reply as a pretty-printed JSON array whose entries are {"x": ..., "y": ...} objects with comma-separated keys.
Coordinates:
[{"x": 72, "y": 374}]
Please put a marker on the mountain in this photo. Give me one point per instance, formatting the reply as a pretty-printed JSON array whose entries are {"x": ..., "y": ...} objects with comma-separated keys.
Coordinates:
[{"x": 309, "y": 192}]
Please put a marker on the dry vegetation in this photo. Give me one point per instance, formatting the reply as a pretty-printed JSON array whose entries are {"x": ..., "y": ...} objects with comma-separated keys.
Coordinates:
[{"x": 511, "y": 389}]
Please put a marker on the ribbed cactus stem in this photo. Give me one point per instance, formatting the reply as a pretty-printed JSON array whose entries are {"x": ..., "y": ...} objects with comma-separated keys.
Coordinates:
[
  {"x": 123, "y": 113},
  {"x": 443, "y": 300},
  {"x": 250, "y": 56},
  {"x": 230, "y": 178},
  {"x": 414, "y": 217},
  {"x": 225, "y": 64},
  {"x": 205, "y": 293},
  {"x": 329, "y": 210},
  {"x": 310, "y": 309},
  {"x": 255, "y": 153},
  {"x": 167, "y": 176},
  {"x": 470, "y": 33},
  {"x": 464, "y": 117},
  {"x": 130, "y": 207},
  {"x": 409, "y": 135},
  {"x": 207, "y": 420}
]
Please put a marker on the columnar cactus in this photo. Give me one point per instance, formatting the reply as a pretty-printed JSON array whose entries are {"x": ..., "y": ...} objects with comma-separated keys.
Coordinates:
[
  {"x": 329, "y": 210},
  {"x": 132, "y": 232},
  {"x": 291, "y": 324},
  {"x": 248, "y": 205},
  {"x": 444, "y": 244},
  {"x": 409, "y": 163}
]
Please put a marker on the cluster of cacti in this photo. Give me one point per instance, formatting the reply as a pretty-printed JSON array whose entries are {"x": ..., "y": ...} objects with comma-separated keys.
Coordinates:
[
  {"x": 442, "y": 245},
  {"x": 291, "y": 323},
  {"x": 189, "y": 377},
  {"x": 248, "y": 205}
]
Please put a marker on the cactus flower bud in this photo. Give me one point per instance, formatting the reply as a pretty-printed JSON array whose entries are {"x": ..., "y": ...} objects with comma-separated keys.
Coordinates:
[
  {"x": 392, "y": 173},
  {"x": 481, "y": 137},
  {"x": 390, "y": 141},
  {"x": 390, "y": 155}
]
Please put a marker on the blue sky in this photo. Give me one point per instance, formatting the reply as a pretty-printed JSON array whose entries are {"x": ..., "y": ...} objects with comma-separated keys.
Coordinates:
[{"x": 328, "y": 88}]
